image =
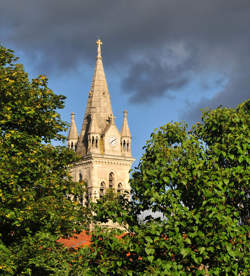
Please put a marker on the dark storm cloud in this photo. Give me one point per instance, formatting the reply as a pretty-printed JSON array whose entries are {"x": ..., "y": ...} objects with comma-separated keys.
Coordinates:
[
  {"x": 236, "y": 91},
  {"x": 150, "y": 78},
  {"x": 161, "y": 45}
]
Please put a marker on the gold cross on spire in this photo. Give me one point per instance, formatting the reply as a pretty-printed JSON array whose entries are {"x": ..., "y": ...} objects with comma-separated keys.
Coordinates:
[{"x": 99, "y": 43}]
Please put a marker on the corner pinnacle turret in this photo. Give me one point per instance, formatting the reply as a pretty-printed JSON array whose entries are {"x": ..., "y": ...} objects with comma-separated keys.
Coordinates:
[
  {"x": 125, "y": 132},
  {"x": 125, "y": 136},
  {"x": 93, "y": 127},
  {"x": 73, "y": 134}
]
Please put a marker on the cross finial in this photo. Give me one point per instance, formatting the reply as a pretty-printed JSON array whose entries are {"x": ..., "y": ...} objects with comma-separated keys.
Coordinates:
[{"x": 99, "y": 43}]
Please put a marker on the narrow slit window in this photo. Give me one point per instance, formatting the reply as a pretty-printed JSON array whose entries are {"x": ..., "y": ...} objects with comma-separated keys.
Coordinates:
[
  {"x": 80, "y": 177},
  {"x": 96, "y": 142}
]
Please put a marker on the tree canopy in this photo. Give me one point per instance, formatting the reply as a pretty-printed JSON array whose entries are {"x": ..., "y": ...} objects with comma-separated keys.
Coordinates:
[
  {"x": 34, "y": 175},
  {"x": 199, "y": 182}
]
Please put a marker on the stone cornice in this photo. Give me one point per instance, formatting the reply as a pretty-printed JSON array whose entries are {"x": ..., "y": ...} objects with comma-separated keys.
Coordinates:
[{"x": 96, "y": 158}]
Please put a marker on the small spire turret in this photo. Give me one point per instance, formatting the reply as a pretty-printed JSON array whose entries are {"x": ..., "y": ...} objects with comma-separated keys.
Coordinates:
[
  {"x": 125, "y": 136},
  {"x": 93, "y": 134},
  {"x": 93, "y": 128},
  {"x": 73, "y": 134},
  {"x": 125, "y": 132}
]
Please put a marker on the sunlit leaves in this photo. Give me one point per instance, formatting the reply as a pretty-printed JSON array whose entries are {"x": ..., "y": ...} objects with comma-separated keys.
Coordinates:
[
  {"x": 198, "y": 181},
  {"x": 34, "y": 179}
]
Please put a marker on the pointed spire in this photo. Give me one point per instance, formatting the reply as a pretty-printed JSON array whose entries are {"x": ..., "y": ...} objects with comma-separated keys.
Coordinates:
[
  {"x": 99, "y": 85},
  {"x": 99, "y": 98},
  {"x": 125, "y": 132},
  {"x": 73, "y": 134}
]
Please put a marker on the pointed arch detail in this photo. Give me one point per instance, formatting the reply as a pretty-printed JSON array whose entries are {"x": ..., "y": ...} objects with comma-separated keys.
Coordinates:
[{"x": 111, "y": 180}]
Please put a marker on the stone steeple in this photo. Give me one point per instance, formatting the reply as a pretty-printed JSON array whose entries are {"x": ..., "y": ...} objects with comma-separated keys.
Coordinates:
[
  {"x": 98, "y": 102},
  {"x": 104, "y": 150},
  {"x": 73, "y": 134}
]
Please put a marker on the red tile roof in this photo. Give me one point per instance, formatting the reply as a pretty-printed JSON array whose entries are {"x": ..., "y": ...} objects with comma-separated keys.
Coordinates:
[
  {"x": 80, "y": 240},
  {"x": 76, "y": 241}
]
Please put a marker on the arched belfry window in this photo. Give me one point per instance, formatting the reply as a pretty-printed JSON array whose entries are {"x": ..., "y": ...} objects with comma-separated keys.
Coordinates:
[
  {"x": 102, "y": 188},
  {"x": 119, "y": 188},
  {"x": 80, "y": 177},
  {"x": 111, "y": 180},
  {"x": 96, "y": 142}
]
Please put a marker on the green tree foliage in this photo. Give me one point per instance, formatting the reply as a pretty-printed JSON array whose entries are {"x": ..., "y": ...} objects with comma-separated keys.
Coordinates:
[
  {"x": 199, "y": 182},
  {"x": 34, "y": 178}
]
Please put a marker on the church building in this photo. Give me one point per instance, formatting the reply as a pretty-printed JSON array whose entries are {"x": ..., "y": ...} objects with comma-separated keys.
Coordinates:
[{"x": 104, "y": 150}]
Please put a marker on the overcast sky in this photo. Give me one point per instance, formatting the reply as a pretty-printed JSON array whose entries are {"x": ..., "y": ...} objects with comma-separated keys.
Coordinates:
[{"x": 164, "y": 59}]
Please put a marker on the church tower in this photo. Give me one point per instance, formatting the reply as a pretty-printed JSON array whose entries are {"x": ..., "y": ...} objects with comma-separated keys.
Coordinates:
[{"x": 104, "y": 150}]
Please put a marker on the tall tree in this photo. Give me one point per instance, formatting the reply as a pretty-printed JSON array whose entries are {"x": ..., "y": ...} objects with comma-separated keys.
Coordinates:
[
  {"x": 198, "y": 181},
  {"x": 34, "y": 175}
]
